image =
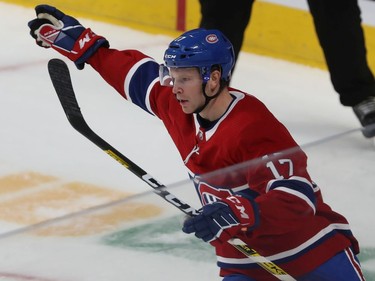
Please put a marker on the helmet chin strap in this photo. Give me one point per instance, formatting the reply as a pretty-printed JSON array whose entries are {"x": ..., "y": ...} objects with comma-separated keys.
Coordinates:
[{"x": 208, "y": 98}]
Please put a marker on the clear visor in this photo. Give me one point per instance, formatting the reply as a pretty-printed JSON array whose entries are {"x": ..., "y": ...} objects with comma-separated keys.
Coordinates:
[{"x": 165, "y": 77}]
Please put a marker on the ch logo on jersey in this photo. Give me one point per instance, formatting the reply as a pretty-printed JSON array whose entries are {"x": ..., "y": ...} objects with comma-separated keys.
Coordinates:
[{"x": 210, "y": 194}]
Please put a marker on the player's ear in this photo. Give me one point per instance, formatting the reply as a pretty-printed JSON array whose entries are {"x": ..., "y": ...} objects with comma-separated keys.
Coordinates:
[
  {"x": 215, "y": 77},
  {"x": 216, "y": 72}
]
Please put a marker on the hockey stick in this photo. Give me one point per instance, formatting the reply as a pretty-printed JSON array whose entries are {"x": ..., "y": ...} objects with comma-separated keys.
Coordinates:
[{"x": 62, "y": 83}]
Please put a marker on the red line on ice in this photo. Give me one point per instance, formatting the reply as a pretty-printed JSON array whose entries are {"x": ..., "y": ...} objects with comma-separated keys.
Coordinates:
[
  {"x": 19, "y": 66},
  {"x": 20, "y": 277}
]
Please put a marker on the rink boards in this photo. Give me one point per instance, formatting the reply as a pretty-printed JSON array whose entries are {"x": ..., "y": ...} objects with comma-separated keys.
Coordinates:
[{"x": 281, "y": 31}]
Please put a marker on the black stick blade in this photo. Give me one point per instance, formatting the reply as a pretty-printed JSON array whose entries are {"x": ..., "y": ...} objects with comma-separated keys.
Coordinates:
[{"x": 62, "y": 82}]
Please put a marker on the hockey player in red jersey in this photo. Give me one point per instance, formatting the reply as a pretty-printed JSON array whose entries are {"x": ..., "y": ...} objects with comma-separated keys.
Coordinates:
[{"x": 274, "y": 207}]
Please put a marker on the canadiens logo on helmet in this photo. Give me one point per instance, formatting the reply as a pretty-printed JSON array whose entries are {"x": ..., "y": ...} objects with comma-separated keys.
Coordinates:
[{"x": 211, "y": 38}]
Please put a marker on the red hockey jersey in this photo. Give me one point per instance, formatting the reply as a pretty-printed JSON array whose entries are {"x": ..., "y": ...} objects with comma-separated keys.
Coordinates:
[{"x": 296, "y": 230}]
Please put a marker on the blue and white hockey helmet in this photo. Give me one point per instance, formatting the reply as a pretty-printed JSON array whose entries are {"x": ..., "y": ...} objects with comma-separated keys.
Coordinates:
[{"x": 199, "y": 48}]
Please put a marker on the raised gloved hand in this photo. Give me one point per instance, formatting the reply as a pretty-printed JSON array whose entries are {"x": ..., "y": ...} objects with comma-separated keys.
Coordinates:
[
  {"x": 52, "y": 28},
  {"x": 220, "y": 221}
]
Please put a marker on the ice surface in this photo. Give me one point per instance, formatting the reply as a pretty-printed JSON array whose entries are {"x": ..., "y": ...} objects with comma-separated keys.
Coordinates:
[{"x": 103, "y": 223}]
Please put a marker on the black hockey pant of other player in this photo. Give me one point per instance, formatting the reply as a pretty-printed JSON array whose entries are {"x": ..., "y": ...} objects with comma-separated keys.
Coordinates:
[{"x": 338, "y": 27}]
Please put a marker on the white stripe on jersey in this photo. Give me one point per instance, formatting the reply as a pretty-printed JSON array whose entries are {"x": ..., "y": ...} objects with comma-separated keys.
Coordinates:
[{"x": 291, "y": 252}]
